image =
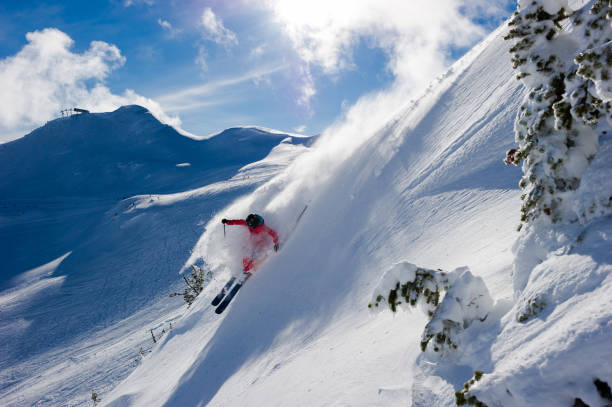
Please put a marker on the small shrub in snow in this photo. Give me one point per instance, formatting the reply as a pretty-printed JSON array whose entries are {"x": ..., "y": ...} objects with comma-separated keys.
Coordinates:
[
  {"x": 443, "y": 332},
  {"x": 141, "y": 355},
  {"x": 453, "y": 301},
  {"x": 462, "y": 397},
  {"x": 95, "y": 398},
  {"x": 153, "y": 337},
  {"x": 466, "y": 300},
  {"x": 195, "y": 284},
  {"x": 420, "y": 286},
  {"x": 603, "y": 389},
  {"x": 579, "y": 403},
  {"x": 533, "y": 308}
]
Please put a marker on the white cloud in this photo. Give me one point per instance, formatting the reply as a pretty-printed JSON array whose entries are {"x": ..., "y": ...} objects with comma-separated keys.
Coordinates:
[
  {"x": 164, "y": 24},
  {"x": 45, "y": 77},
  {"x": 307, "y": 87},
  {"x": 196, "y": 95},
  {"x": 215, "y": 31},
  {"x": 201, "y": 58},
  {"x": 258, "y": 51},
  {"x": 416, "y": 35},
  {"x": 300, "y": 129},
  {"x": 168, "y": 27},
  {"x": 128, "y": 3}
]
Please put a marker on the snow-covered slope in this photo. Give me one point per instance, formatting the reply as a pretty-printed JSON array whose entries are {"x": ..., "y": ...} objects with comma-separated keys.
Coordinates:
[
  {"x": 428, "y": 186},
  {"x": 419, "y": 182},
  {"x": 87, "y": 264}
]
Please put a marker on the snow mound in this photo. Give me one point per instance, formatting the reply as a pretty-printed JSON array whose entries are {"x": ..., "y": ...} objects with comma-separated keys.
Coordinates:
[{"x": 555, "y": 340}]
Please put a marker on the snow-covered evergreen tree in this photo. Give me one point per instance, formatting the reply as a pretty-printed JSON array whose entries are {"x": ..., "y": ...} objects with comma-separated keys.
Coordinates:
[{"x": 564, "y": 58}]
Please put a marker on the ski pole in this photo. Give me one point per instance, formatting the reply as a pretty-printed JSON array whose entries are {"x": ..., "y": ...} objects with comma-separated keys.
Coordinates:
[{"x": 301, "y": 214}]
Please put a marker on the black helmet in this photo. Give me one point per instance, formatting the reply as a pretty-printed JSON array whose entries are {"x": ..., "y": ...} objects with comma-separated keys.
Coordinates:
[{"x": 254, "y": 220}]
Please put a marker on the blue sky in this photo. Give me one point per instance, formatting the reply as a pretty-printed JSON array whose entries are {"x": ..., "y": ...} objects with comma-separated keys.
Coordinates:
[{"x": 208, "y": 65}]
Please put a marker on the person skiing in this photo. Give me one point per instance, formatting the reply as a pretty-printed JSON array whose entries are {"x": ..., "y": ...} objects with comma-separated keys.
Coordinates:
[{"x": 259, "y": 238}]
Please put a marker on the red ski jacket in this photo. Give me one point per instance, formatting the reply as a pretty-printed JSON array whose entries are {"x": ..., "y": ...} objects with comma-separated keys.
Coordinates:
[{"x": 259, "y": 235}]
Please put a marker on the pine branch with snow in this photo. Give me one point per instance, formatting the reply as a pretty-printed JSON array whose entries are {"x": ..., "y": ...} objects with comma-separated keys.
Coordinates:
[
  {"x": 408, "y": 285},
  {"x": 467, "y": 300},
  {"x": 452, "y": 300}
]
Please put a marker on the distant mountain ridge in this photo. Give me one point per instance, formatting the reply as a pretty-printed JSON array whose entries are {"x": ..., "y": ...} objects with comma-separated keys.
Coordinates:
[{"x": 124, "y": 152}]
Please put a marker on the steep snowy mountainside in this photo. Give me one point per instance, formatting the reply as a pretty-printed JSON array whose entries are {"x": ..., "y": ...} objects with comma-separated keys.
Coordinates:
[
  {"x": 122, "y": 153},
  {"x": 86, "y": 273},
  {"x": 428, "y": 186}
]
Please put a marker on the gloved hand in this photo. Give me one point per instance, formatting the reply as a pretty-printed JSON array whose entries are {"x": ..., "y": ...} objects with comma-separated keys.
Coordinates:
[
  {"x": 224, "y": 221},
  {"x": 276, "y": 247}
]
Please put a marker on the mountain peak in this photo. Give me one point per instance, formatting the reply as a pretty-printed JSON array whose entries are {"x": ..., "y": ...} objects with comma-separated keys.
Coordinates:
[{"x": 123, "y": 152}]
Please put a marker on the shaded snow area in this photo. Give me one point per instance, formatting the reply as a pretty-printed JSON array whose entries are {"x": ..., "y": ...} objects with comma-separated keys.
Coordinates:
[
  {"x": 97, "y": 221},
  {"x": 394, "y": 288}
]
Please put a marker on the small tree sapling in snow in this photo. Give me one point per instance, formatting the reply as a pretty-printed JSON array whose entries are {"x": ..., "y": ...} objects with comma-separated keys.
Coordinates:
[
  {"x": 579, "y": 403},
  {"x": 453, "y": 301},
  {"x": 603, "y": 389},
  {"x": 95, "y": 398},
  {"x": 141, "y": 355},
  {"x": 195, "y": 284}
]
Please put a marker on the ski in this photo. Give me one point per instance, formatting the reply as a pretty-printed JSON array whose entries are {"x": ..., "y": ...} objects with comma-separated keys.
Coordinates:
[
  {"x": 223, "y": 291},
  {"x": 231, "y": 295}
]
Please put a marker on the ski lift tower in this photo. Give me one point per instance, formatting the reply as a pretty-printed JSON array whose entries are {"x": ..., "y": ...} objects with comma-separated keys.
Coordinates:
[{"x": 73, "y": 111}]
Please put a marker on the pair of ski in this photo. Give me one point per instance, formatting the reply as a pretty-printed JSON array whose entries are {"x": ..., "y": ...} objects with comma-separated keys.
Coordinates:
[{"x": 225, "y": 296}]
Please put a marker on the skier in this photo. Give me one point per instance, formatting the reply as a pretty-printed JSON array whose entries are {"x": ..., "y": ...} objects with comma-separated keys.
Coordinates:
[{"x": 259, "y": 235}]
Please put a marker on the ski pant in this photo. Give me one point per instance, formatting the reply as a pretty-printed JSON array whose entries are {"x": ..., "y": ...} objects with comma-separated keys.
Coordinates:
[
  {"x": 251, "y": 262},
  {"x": 248, "y": 264}
]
